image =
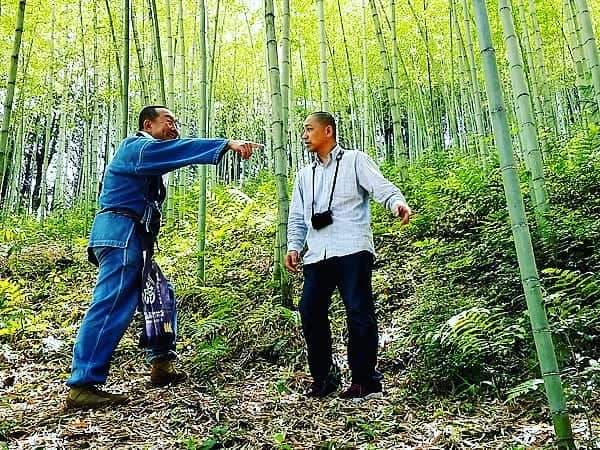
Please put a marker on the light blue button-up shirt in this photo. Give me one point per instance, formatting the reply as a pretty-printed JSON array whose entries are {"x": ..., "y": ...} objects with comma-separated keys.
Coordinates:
[{"x": 358, "y": 178}]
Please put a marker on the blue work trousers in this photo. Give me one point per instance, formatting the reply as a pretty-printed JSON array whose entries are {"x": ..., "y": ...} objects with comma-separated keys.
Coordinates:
[
  {"x": 351, "y": 274},
  {"x": 113, "y": 305}
]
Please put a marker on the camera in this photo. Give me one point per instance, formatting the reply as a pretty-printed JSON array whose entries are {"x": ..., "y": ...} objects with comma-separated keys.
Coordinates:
[{"x": 321, "y": 220}]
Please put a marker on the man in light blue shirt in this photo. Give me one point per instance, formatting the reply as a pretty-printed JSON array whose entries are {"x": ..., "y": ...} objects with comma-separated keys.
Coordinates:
[{"x": 330, "y": 220}]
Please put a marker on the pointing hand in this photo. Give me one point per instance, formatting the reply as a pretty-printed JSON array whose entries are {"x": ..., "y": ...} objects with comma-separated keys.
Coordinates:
[{"x": 244, "y": 148}]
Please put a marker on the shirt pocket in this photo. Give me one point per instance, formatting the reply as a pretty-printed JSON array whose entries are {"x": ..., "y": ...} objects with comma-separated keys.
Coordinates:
[{"x": 111, "y": 230}]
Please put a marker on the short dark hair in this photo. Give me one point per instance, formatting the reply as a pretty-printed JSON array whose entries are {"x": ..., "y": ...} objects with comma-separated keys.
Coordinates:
[
  {"x": 325, "y": 118},
  {"x": 148, "y": 113}
]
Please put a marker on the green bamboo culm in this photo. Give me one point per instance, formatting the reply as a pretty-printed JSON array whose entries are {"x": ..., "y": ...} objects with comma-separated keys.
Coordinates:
[
  {"x": 200, "y": 269},
  {"x": 522, "y": 238},
  {"x": 10, "y": 92},
  {"x": 590, "y": 48},
  {"x": 279, "y": 153},
  {"x": 323, "y": 57},
  {"x": 526, "y": 121},
  {"x": 125, "y": 70}
]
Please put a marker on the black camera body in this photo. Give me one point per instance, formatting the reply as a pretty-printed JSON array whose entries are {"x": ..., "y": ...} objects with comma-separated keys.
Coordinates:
[{"x": 322, "y": 219}]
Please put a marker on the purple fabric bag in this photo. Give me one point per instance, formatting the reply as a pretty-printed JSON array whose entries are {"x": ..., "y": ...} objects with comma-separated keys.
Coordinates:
[{"x": 157, "y": 304}]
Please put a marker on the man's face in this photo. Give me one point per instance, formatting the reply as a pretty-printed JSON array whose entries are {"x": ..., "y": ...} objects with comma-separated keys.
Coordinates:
[
  {"x": 316, "y": 136},
  {"x": 163, "y": 127}
]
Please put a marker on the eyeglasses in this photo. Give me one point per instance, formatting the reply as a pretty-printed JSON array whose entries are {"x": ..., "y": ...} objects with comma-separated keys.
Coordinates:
[{"x": 176, "y": 123}]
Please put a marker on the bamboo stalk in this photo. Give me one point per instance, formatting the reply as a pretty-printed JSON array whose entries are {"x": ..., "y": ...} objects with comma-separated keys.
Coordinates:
[
  {"x": 10, "y": 92},
  {"x": 525, "y": 119},
  {"x": 280, "y": 156},
  {"x": 521, "y": 236}
]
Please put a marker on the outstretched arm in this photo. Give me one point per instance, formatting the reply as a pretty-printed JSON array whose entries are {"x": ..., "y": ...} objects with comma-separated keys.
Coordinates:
[{"x": 382, "y": 190}]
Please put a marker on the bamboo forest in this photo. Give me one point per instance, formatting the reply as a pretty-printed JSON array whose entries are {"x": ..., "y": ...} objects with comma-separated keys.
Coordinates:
[{"x": 480, "y": 118}]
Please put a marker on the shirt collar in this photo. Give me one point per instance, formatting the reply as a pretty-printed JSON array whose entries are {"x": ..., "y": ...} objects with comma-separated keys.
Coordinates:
[
  {"x": 142, "y": 133},
  {"x": 330, "y": 157}
]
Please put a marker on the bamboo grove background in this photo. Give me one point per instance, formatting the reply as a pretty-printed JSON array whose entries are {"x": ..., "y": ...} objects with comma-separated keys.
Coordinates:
[
  {"x": 504, "y": 83},
  {"x": 400, "y": 76}
]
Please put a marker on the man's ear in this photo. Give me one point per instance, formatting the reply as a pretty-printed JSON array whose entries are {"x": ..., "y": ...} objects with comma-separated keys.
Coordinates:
[
  {"x": 329, "y": 130},
  {"x": 147, "y": 123}
]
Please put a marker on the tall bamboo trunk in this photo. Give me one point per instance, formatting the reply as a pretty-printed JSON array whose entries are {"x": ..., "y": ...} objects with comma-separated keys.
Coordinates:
[
  {"x": 466, "y": 105},
  {"x": 479, "y": 120},
  {"x": 158, "y": 54},
  {"x": 323, "y": 57},
  {"x": 532, "y": 69},
  {"x": 201, "y": 270},
  {"x": 14, "y": 197},
  {"x": 95, "y": 119},
  {"x": 10, "y": 92},
  {"x": 49, "y": 119},
  {"x": 115, "y": 45},
  {"x": 170, "y": 58},
  {"x": 285, "y": 73},
  {"x": 575, "y": 46},
  {"x": 397, "y": 132},
  {"x": 85, "y": 169},
  {"x": 399, "y": 150},
  {"x": 181, "y": 49},
  {"x": 452, "y": 107},
  {"x": 352, "y": 90},
  {"x": 125, "y": 71},
  {"x": 366, "y": 135},
  {"x": 548, "y": 100},
  {"x": 525, "y": 119},
  {"x": 212, "y": 69},
  {"x": 140, "y": 58},
  {"x": 590, "y": 49},
  {"x": 58, "y": 197},
  {"x": 521, "y": 236},
  {"x": 280, "y": 156}
]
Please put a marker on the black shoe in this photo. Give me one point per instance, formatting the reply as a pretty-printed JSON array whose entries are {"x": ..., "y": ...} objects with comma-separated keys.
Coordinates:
[
  {"x": 322, "y": 388},
  {"x": 358, "y": 392}
]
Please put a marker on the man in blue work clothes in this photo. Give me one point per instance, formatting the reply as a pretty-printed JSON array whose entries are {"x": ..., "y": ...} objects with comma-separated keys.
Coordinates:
[
  {"x": 127, "y": 223},
  {"x": 329, "y": 214}
]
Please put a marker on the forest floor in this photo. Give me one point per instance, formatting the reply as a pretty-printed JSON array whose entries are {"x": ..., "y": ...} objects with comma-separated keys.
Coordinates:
[
  {"x": 246, "y": 413},
  {"x": 263, "y": 409},
  {"x": 257, "y": 405}
]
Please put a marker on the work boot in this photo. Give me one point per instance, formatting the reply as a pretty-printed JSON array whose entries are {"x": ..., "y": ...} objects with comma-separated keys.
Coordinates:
[
  {"x": 89, "y": 396},
  {"x": 163, "y": 373}
]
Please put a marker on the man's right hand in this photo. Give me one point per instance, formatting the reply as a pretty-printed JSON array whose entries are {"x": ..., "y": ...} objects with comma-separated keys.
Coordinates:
[
  {"x": 291, "y": 261},
  {"x": 244, "y": 148}
]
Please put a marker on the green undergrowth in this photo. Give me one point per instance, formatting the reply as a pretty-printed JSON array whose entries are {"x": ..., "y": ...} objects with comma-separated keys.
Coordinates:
[{"x": 452, "y": 312}]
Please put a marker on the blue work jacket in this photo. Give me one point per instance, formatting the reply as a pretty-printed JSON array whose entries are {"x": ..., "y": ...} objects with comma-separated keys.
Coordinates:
[{"x": 139, "y": 162}]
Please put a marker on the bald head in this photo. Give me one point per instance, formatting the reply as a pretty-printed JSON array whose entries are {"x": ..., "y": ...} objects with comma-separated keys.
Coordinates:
[
  {"x": 319, "y": 133},
  {"x": 159, "y": 122},
  {"x": 325, "y": 119}
]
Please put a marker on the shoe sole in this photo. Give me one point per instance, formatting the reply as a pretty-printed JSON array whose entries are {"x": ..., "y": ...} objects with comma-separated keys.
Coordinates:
[
  {"x": 371, "y": 396},
  {"x": 71, "y": 404},
  {"x": 169, "y": 382}
]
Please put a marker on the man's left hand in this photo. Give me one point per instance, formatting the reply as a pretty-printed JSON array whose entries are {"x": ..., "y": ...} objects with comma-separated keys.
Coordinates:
[{"x": 403, "y": 212}]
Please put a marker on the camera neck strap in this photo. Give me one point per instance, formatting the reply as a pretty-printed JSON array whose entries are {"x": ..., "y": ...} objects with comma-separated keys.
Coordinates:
[{"x": 337, "y": 166}]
